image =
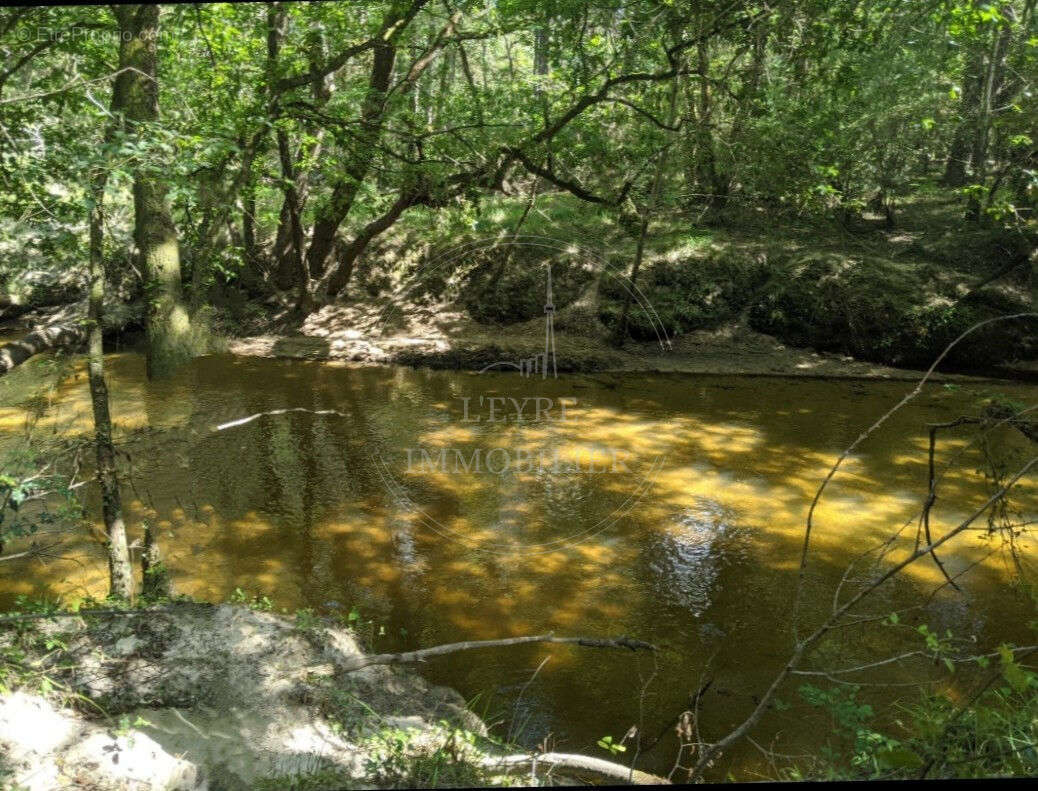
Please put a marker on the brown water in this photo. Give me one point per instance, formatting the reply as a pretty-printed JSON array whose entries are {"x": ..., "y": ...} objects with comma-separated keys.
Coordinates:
[{"x": 686, "y": 534}]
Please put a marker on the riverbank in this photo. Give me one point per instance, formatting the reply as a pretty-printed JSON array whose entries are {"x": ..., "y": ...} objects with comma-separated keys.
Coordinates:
[
  {"x": 459, "y": 345},
  {"x": 196, "y": 696},
  {"x": 191, "y": 696},
  {"x": 750, "y": 298}
]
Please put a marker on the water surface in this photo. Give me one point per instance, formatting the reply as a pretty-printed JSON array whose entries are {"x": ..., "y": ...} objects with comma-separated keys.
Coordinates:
[{"x": 691, "y": 540}]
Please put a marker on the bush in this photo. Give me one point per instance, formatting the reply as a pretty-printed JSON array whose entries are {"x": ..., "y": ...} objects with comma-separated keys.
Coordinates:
[
  {"x": 693, "y": 294},
  {"x": 993, "y": 735},
  {"x": 930, "y": 328},
  {"x": 879, "y": 310},
  {"x": 507, "y": 284}
]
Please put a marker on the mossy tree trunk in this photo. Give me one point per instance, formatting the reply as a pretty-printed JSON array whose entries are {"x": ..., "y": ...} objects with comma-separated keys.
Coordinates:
[
  {"x": 120, "y": 570},
  {"x": 168, "y": 323}
]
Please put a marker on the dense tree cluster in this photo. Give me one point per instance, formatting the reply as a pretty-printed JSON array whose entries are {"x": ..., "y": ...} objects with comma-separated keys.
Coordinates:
[{"x": 279, "y": 140}]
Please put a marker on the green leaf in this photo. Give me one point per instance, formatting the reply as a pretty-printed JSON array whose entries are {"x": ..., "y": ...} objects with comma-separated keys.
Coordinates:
[{"x": 898, "y": 758}]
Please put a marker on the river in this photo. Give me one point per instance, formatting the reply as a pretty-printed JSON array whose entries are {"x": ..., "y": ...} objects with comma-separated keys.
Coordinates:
[{"x": 447, "y": 506}]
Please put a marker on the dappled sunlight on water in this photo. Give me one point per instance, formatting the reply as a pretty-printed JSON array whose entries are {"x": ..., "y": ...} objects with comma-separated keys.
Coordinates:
[{"x": 671, "y": 508}]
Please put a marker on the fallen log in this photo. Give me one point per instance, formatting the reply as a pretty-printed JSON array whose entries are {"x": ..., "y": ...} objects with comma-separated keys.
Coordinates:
[
  {"x": 53, "y": 336},
  {"x": 13, "y": 306},
  {"x": 608, "y": 770},
  {"x": 421, "y": 655},
  {"x": 65, "y": 329}
]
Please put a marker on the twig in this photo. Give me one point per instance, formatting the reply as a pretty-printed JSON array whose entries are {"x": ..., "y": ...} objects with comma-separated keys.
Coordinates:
[
  {"x": 30, "y": 552},
  {"x": 915, "y": 391},
  {"x": 519, "y": 698},
  {"x": 693, "y": 705},
  {"x": 899, "y": 657},
  {"x": 711, "y": 752},
  {"x": 931, "y": 496}
]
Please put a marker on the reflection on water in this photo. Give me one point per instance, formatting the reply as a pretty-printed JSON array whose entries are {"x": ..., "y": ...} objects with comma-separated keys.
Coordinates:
[
  {"x": 693, "y": 545},
  {"x": 690, "y": 555}
]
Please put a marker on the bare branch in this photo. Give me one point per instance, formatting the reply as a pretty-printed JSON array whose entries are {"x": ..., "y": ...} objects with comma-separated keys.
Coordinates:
[
  {"x": 712, "y": 751},
  {"x": 809, "y": 524},
  {"x": 583, "y": 763},
  {"x": 407, "y": 657}
]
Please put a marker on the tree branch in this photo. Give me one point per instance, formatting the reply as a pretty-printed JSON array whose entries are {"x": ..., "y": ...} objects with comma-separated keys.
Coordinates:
[
  {"x": 915, "y": 391},
  {"x": 710, "y": 752},
  {"x": 388, "y": 32},
  {"x": 583, "y": 763},
  {"x": 570, "y": 186},
  {"x": 420, "y": 65},
  {"x": 407, "y": 657},
  {"x": 645, "y": 113}
]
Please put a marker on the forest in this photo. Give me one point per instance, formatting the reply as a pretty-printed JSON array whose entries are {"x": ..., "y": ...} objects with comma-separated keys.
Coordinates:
[{"x": 437, "y": 393}]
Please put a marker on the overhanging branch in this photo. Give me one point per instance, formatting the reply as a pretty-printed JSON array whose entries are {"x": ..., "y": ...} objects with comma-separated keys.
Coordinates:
[{"x": 566, "y": 184}]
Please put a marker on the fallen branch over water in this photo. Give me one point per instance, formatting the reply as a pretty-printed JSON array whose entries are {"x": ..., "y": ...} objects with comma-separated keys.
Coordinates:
[
  {"x": 407, "y": 657},
  {"x": 250, "y": 418},
  {"x": 65, "y": 329},
  {"x": 55, "y": 336},
  {"x": 583, "y": 763}
]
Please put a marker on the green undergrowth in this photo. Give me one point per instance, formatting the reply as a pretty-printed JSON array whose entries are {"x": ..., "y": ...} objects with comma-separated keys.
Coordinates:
[
  {"x": 986, "y": 725},
  {"x": 898, "y": 297}
]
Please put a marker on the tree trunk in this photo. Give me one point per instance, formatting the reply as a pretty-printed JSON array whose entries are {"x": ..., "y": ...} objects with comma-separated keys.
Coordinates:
[
  {"x": 540, "y": 70},
  {"x": 288, "y": 248},
  {"x": 959, "y": 154},
  {"x": 211, "y": 233},
  {"x": 120, "y": 571},
  {"x": 982, "y": 132},
  {"x": 331, "y": 214},
  {"x": 248, "y": 221},
  {"x": 709, "y": 179},
  {"x": 155, "y": 581},
  {"x": 620, "y": 332},
  {"x": 168, "y": 324}
]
